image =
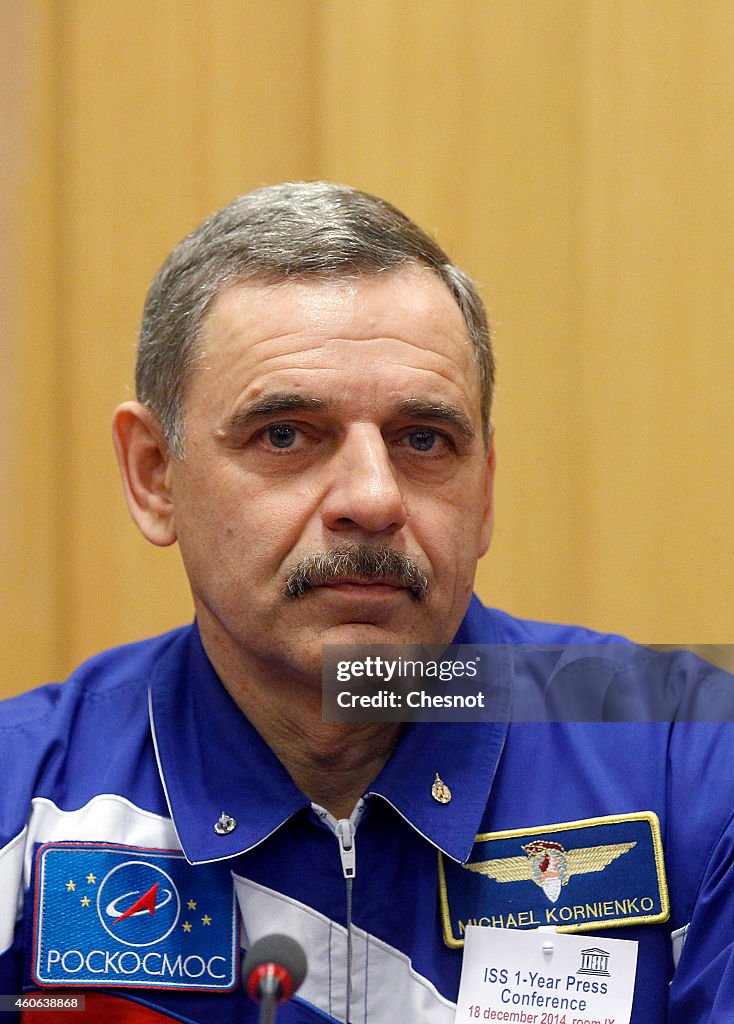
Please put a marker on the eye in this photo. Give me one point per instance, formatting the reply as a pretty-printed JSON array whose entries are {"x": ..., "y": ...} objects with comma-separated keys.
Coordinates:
[
  {"x": 281, "y": 435},
  {"x": 422, "y": 440}
]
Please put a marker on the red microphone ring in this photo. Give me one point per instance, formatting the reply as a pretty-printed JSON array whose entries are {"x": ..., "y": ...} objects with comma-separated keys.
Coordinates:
[{"x": 281, "y": 975}]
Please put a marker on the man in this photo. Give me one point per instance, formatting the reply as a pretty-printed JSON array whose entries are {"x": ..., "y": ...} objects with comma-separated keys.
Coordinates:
[{"x": 312, "y": 428}]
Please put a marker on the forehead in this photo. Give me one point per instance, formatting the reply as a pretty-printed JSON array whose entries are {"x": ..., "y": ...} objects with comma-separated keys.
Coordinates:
[{"x": 405, "y": 318}]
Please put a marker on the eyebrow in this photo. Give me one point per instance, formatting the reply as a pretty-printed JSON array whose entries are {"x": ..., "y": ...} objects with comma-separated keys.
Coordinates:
[
  {"x": 441, "y": 412},
  {"x": 270, "y": 405}
]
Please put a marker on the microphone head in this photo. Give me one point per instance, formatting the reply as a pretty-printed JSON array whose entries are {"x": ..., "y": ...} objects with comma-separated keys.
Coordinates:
[{"x": 277, "y": 957}]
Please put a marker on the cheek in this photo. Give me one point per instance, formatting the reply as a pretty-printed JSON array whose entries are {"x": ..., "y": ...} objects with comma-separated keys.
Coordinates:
[
  {"x": 256, "y": 523},
  {"x": 448, "y": 530},
  {"x": 277, "y": 515}
]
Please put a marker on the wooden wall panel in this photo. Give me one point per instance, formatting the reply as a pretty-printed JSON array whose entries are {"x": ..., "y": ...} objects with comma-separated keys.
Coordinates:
[
  {"x": 657, "y": 283},
  {"x": 29, "y": 536}
]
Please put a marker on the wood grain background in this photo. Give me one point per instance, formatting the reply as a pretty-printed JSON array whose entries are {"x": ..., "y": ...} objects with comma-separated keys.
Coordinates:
[{"x": 576, "y": 157}]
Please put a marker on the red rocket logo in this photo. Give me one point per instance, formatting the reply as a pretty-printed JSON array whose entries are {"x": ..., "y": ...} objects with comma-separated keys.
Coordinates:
[
  {"x": 138, "y": 903},
  {"x": 145, "y": 903}
]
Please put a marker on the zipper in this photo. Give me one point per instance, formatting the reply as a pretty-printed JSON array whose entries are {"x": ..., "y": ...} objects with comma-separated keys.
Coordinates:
[{"x": 345, "y": 830}]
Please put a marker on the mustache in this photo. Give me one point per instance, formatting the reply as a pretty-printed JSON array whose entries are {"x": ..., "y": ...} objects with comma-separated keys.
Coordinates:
[{"x": 363, "y": 561}]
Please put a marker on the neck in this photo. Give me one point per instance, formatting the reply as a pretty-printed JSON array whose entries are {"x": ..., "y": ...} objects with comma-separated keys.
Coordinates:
[{"x": 332, "y": 763}]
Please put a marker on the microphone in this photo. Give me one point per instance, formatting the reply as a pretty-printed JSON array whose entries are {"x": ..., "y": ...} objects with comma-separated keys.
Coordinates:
[{"x": 273, "y": 969}]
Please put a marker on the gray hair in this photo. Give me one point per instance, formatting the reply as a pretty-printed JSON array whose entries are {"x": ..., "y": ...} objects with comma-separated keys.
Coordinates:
[{"x": 270, "y": 236}]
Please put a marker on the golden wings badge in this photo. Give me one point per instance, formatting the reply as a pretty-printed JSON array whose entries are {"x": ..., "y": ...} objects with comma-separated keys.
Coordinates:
[{"x": 549, "y": 865}]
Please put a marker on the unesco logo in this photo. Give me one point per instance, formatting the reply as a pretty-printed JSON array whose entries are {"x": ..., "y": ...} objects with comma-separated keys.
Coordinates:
[{"x": 138, "y": 903}]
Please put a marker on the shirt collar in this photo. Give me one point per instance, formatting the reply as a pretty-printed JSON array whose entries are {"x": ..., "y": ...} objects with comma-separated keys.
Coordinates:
[
  {"x": 212, "y": 761},
  {"x": 464, "y": 756}
]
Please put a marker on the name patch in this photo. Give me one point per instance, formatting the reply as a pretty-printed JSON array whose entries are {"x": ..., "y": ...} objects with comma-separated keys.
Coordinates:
[
  {"x": 574, "y": 876},
  {"x": 127, "y": 917}
]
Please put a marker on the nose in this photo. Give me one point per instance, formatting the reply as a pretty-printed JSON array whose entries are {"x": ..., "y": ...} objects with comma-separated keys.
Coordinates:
[{"x": 363, "y": 491}]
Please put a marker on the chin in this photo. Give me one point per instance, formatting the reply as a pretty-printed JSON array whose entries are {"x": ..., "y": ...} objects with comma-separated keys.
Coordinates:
[
  {"x": 358, "y": 633},
  {"x": 382, "y": 633}
]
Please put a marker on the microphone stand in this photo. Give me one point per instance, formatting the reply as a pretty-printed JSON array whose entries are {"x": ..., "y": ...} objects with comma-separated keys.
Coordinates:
[{"x": 269, "y": 987}]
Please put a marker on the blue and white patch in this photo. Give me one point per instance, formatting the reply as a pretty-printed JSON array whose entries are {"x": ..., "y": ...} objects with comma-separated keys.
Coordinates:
[
  {"x": 573, "y": 876},
  {"x": 126, "y": 917}
]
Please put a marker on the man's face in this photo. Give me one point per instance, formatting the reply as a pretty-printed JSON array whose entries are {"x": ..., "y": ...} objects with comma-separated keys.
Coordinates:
[{"x": 321, "y": 416}]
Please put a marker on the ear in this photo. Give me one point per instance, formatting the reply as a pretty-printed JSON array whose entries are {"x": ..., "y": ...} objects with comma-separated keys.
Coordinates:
[
  {"x": 144, "y": 457},
  {"x": 485, "y": 535}
]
